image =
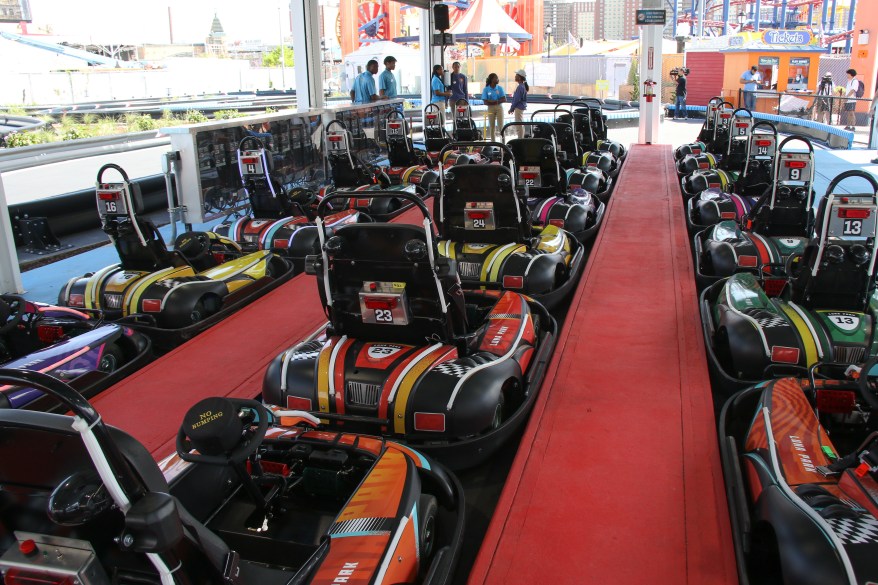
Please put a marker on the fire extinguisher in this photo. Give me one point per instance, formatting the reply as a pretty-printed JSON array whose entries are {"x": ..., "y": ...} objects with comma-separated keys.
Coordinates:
[{"x": 648, "y": 91}]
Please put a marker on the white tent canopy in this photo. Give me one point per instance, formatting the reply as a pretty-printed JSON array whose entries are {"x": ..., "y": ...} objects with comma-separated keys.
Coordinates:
[{"x": 407, "y": 64}]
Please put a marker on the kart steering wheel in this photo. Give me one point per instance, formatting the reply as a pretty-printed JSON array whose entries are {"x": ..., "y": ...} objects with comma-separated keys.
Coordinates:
[
  {"x": 303, "y": 197},
  {"x": 867, "y": 393},
  {"x": 216, "y": 429},
  {"x": 12, "y": 309}
]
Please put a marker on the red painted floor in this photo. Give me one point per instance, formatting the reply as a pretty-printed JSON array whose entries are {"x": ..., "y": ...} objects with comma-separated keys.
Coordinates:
[
  {"x": 229, "y": 359},
  {"x": 618, "y": 479}
]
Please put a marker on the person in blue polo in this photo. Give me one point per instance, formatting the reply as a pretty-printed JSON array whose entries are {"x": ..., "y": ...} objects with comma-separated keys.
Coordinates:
[
  {"x": 438, "y": 93},
  {"x": 386, "y": 81},
  {"x": 494, "y": 96},
  {"x": 363, "y": 91}
]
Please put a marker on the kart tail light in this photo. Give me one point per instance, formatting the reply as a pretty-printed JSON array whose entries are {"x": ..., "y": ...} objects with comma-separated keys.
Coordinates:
[
  {"x": 703, "y": 165},
  {"x": 249, "y": 161},
  {"x": 477, "y": 214},
  {"x": 854, "y": 213},
  {"x": 741, "y": 124},
  {"x": 784, "y": 355},
  {"x": 76, "y": 301},
  {"x": 725, "y": 116},
  {"x": 836, "y": 401},
  {"x": 335, "y": 137},
  {"x": 362, "y": 202},
  {"x": 430, "y": 421},
  {"x": 219, "y": 257},
  {"x": 559, "y": 223},
  {"x": 393, "y": 126},
  {"x": 763, "y": 143},
  {"x": 513, "y": 282},
  {"x": 297, "y": 403},
  {"x": 796, "y": 164},
  {"x": 747, "y": 261},
  {"x": 528, "y": 175},
  {"x": 152, "y": 305},
  {"x": 380, "y": 302},
  {"x": 49, "y": 333},
  {"x": 108, "y": 195},
  {"x": 461, "y": 110},
  {"x": 727, "y": 215},
  {"x": 773, "y": 286},
  {"x": 431, "y": 116}
]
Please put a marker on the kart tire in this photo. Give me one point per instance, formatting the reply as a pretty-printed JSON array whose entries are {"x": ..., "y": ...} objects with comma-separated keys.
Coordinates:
[
  {"x": 111, "y": 359},
  {"x": 427, "y": 511}
]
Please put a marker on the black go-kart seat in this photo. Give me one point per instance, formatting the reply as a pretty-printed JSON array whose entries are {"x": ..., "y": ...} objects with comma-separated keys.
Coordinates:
[
  {"x": 30, "y": 435},
  {"x": 360, "y": 253},
  {"x": 539, "y": 152},
  {"x": 350, "y": 172},
  {"x": 566, "y": 139},
  {"x": 133, "y": 255},
  {"x": 482, "y": 188},
  {"x": 791, "y": 215}
]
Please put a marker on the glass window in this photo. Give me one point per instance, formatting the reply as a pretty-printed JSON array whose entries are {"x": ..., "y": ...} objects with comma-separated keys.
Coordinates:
[
  {"x": 768, "y": 67},
  {"x": 798, "y": 75}
]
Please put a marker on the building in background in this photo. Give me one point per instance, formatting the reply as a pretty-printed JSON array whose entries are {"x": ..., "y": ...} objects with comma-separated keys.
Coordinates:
[
  {"x": 559, "y": 14},
  {"x": 614, "y": 19},
  {"x": 583, "y": 26}
]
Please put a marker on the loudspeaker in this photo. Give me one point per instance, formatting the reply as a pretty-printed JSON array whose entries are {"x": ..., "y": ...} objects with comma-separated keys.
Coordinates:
[{"x": 440, "y": 17}]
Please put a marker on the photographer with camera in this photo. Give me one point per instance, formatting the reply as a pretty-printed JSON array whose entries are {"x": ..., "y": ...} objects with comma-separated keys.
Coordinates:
[
  {"x": 822, "y": 109},
  {"x": 680, "y": 74}
]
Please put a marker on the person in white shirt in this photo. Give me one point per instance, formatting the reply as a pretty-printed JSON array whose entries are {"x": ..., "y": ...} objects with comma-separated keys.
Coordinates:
[{"x": 849, "y": 115}]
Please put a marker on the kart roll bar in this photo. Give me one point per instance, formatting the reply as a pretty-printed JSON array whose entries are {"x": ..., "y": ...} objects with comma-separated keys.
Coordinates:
[
  {"x": 432, "y": 251},
  {"x": 116, "y": 474},
  {"x": 776, "y": 169},
  {"x": 260, "y": 145},
  {"x": 830, "y": 196},
  {"x": 756, "y": 126},
  {"x": 455, "y": 145},
  {"x": 531, "y": 123}
]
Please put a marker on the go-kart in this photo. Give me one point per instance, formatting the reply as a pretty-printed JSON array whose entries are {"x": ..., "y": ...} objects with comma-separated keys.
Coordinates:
[
  {"x": 408, "y": 353},
  {"x": 281, "y": 218},
  {"x": 534, "y": 167},
  {"x": 715, "y": 130},
  {"x": 760, "y": 234},
  {"x": 348, "y": 169},
  {"x": 819, "y": 306},
  {"x": 436, "y": 137},
  {"x": 689, "y": 148},
  {"x": 692, "y": 163},
  {"x": 71, "y": 345},
  {"x": 170, "y": 296},
  {"x": 463, "y": 127},
  {"x": 408, "y": 165},
  {"x": 800, "y": 459},
  {"x": 590, "y": 126},
  {"x": 756, "y": 177},
  {"x": 252, "y": 495},
  {"x": 485, "y": 227}
]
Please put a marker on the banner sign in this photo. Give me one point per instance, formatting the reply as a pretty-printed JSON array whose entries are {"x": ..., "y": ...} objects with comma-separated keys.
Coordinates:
[{"x": 787, "y": 37}]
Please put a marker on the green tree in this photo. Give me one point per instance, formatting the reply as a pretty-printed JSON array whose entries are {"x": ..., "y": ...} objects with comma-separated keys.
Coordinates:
[
  {"x": 634, "y": 79},
  {"x": 272, "y": 58}
]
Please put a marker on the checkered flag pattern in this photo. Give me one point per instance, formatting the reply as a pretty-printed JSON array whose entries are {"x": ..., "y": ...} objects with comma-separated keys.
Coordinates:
[
  {"x": 451, "y": 369},
  {"x": 767, "y": 320},
  {"x": 307, "y": 351},
  {"x": 860, "y": 530}
]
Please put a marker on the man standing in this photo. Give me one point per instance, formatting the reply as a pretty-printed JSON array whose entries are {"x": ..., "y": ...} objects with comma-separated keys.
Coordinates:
[
  {"x": 750, "y": 80},
  {"x": 852, "y": 90},
  {"x": 363, "y": 91},
  {"x": 458, "y": 84},
  {"x": 680, "y": 101},
  {"x": 386, "y": 81},
  {"x": 438, "y": 93}
]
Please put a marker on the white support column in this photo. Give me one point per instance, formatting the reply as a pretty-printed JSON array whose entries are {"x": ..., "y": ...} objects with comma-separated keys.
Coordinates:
[
  {"x": 426, "y": 54},
  {"x": 650, "y": 69},
  {"x": 306, "y": 47},
  {"x": 10, "y": 275}
]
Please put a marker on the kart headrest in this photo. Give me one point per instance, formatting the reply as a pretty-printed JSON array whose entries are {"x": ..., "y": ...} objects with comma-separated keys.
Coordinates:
[
  {"x": 532, "y": 151},
  {"x": 481, "y": 204},
  {"x": 399, "y": 255},
  {"x": 213, "y": 426}
]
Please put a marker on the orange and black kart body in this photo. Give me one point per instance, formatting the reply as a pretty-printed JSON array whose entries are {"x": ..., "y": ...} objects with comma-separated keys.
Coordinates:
[
  {"x": 266, "y": 498},
  {"x": 800, "y": 481},
  {"x": 458, "y": 395}
]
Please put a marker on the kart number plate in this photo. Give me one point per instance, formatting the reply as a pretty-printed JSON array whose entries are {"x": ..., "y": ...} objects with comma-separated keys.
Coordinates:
[
  {"x": 479, "y": 216},
  {"x": 856, "y": 219},
  {"x": 336, "y": 141},
  {"x": 529, "y": 177},
  {"x": 111, "y": 199},
  {"x": 394, "y": 129},
  {"x": 384, "y": 303},
  {"x": 251, "y": 162}
]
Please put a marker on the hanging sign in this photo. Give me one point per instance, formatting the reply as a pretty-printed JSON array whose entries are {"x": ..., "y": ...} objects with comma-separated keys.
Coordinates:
[
  {"x": 787, "y": 37},
  {"x": 651, "y": 17}
]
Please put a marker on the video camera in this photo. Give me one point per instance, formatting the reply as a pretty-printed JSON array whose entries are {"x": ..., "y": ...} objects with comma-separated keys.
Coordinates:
[{"x": 676, "y": 71}]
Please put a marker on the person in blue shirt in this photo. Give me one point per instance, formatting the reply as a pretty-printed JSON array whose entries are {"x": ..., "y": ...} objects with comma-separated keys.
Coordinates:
[
  {"x": 363, "y": 91},
  {"x": 386, "y": 81},
  {"x": 458, "y": 84},
  {"x": 493, "y": 96},
  {"x": 438, "y": 94},
  {"x": 519, "y": 100},
  {"x": 750, "y": 80}
]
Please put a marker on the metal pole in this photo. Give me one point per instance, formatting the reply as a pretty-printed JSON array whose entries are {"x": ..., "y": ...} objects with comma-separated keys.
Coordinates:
[
  {"x": 283, "y": 65},
  {"x": 757, "y": 15},
  {"x": 569, "y": 72},
  {"x": 783, "y": 14},
  {"x": 674, "y": 23},
  {"x": 701, "y": 17},
  {"x": 853, "y": 10},
  {"x": 725, "y": 17},
  {"x": 832, "y": 17},
  {"x": 810, "y": 15},
  {"x": 823, "y": 18}
]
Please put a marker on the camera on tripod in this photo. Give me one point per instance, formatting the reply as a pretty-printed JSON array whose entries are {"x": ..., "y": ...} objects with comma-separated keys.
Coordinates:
[{"x": 676, "y": 71}]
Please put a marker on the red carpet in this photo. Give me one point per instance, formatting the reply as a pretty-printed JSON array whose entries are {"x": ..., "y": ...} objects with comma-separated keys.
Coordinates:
[
  {"x": 618, "y": 479},
  {"x": 228, "y": 359}
]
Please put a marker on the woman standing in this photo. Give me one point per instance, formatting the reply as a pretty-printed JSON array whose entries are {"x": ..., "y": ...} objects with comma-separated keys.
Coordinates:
[
  {"x": 493, "y": 95},
  {"x": 519, "y": 100}
]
